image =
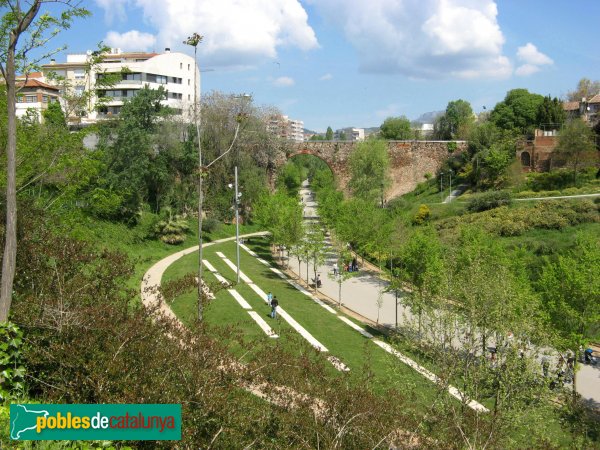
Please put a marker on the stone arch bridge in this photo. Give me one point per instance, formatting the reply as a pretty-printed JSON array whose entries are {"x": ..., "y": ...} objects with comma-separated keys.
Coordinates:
[{"x": 409, "y": 160}]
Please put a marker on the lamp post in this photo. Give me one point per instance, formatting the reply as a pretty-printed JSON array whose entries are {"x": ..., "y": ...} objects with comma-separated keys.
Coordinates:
[
  {"x": 441, "y": 186},
  {"x": 194, "y": 40},
  {"x": 236, "y": 200},
  {"x": 450, "y": 173}
]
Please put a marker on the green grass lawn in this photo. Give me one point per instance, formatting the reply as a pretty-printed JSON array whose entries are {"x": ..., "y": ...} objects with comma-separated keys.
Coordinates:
[{"x": 342, "y": 341}]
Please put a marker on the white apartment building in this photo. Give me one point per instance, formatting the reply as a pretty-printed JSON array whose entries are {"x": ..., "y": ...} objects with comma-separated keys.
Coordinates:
[
  {"x": 172, "y": 70},
  {"x": 286, "y": 128}
]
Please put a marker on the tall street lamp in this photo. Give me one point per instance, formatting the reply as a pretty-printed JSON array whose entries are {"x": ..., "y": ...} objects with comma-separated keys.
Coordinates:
[
  {"x": 441, "y": 186},
  {"x": 194, "y": 40}
]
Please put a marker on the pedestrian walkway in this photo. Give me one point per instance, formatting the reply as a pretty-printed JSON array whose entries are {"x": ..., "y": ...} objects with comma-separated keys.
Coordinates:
[
  {"x": 476, "y": 406},
  {"x": 366, "y": 295}
]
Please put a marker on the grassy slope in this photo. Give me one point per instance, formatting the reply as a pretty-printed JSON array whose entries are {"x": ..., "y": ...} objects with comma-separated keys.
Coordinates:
[{"x": 343, "y": 342}]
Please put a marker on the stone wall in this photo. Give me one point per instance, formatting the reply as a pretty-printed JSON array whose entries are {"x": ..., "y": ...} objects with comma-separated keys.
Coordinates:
[{"x": 409, "y": 160}]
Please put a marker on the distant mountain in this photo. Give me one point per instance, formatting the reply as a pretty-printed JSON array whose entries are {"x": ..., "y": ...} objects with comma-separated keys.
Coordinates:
[
  {"x": 428, "y": 117},
  {"x": 307, "y": 131}
]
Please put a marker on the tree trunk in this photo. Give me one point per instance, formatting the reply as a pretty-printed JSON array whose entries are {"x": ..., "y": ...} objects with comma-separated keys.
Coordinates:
[{"x": 9, "y": 257}]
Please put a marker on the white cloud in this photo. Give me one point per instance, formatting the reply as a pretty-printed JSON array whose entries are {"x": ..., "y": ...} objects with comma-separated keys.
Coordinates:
[
  {"x": 284, "y": 82},
  {"x": 532, "y": 59},
  {"x": 531, "y": 55},
  {"x": 235, "y": 33},
  {"x": 130, "y": 41},
  {"x": 527, "y": 69},
  {"x": 326, "y": 77},
  {"x": 113, "y": 9},
  {"x": 423, "y": 38}
]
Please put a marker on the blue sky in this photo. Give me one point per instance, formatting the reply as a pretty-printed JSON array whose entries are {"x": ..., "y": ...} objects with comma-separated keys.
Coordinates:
[{"x": 345, "y": 63}]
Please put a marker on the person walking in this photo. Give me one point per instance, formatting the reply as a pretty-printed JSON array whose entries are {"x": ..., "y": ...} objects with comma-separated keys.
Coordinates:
[
  {"x": 274, "y": 305},
  {"x": 269, "y": 298},
  {"x": 335, "y": 269}
]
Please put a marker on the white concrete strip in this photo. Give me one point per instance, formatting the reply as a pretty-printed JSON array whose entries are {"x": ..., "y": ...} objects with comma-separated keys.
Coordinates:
[
  {"x": 324, "y": 305},
  {"x": 243, "y": 303},
  {"x": 278, "y": 272},
  {"x": 430, "y": 376},
  {"x": 356, "y": 327},
  {"x": 234, "y": 267},
  {"x": 243, "y": 276},
  {"x": 300, "y": 329},
  {"x": 264, "y": 325},
  {"x": 293, "y": 283},
  {"x": 206, "y": 290},
  {"x": 339, "y": 365},
  {"x": 217, "y": 275},
  {"x": 245, "y": 247},
  {"x": 262, "y": 261}
]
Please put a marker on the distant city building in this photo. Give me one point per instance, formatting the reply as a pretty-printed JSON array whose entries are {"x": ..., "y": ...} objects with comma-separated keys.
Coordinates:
[
  {"x": 34, "y": 95},
  {"x": 286, "y": 128},
  {"x": 350, "y": 134},
  {"x": 172, "y": 70}
]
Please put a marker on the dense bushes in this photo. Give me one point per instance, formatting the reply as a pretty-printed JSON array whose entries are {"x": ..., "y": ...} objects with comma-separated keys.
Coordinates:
[
  {"x": 489, "y": 200},
  {"x": 549, "y": 214},
  {"x": 559, "y": 179}
]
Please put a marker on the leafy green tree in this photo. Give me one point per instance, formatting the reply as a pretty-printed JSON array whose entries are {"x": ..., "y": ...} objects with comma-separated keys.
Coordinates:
[
  {"x": 551, "y": 112},
  {"x": 576, "y": 145},
  {"x": 21, "y": 23},
  {"x": 422, "y": 268},
  {"x": 342, "y": 136},
  {"x": 518, "y": 111},
  {"x": 570, "y": 288},
  {"x": 456, "y": 122},
  {"x": 53, "y": 115},
  {"x": 133, "y": 170},
  {"x": 315, "y": 243},
  {"x": 369, "y": 167},
  {"x": 329, "y": 134},
  {"x": 282, "y": 216},
  {"x": 396, "y": 128}
]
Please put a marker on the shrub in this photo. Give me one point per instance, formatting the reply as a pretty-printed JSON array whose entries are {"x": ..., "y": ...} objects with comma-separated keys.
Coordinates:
[
  {"x": 422, "y": 215},
  {"x": 210, "y": 225},
  {"x": 12, "y": 372},
  {"x": 489, "y": 200},
  {"x": 172, "y": 230}
]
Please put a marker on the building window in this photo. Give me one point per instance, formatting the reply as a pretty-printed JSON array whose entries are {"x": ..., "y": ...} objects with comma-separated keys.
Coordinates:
[
  {"x": 181, "y": 65},
  {"x": 161, "y": 79},
  {"x": 44, "y": 98},
  {"x": 188, "y": 67},
  {"x": 79, "y": 90},
  {"x": 189, "y": 97},
  {"x": 188, "y": 81},
  {"x": 79, "y": 74},
  {"x": 31, "y": 99}
]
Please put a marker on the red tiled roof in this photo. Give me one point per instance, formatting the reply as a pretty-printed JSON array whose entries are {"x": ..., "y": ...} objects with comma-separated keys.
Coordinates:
[
  {"x": 37, "y": 83},
  {"x": 131, "y": 55},
  {"x": 595, "y": 99},
  {"x": 571, "y": 106}
]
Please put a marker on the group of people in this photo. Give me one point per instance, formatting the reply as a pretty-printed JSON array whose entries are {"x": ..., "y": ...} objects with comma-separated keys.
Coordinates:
[
  {"x": 273, "y": 303},
  {"x": 352, "y": 266}
]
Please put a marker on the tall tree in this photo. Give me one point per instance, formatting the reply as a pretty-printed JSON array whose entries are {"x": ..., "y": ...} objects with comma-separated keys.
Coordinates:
[
  {"x": 586, "y": 88},
  {"x": 518, "y": 111},
  {"x": 369, "y": 166},
  {"x": 18, "y": 23},
  {"x": 551, "y": 113},
  {"x": 329, "y": 134},
  {"x": 456, "y": 122},
  {"x": 396, "y": 128},
  {"x": 570, "y": 287},
  {"x": 575, "y": 144}
]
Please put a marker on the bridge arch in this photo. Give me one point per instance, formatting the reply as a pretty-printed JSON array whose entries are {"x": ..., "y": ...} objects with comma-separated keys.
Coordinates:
[{"x": 409, "y": 160}]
